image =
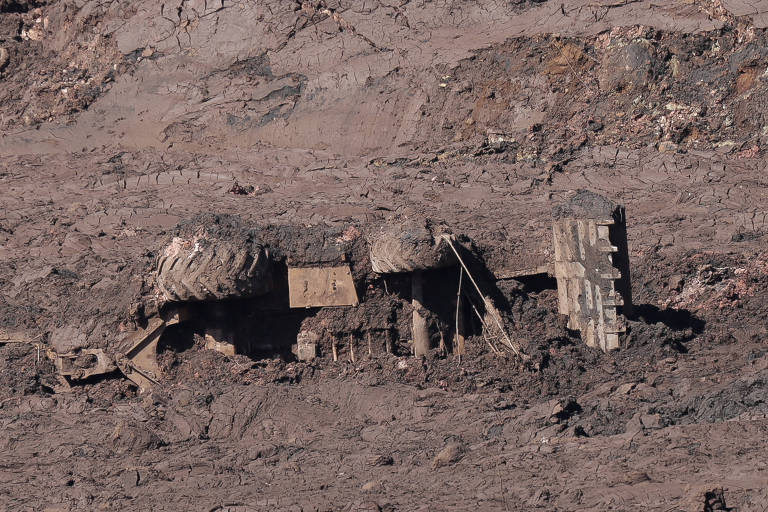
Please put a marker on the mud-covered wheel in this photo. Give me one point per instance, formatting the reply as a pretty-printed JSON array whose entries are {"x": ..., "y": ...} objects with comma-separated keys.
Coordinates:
[
  {"x": 201, "y": 269},
  {"x": 407, "y": 246}
]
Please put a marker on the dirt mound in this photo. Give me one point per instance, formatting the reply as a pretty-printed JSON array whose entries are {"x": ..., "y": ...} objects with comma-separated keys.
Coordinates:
[{"x": 58, "y": 59}]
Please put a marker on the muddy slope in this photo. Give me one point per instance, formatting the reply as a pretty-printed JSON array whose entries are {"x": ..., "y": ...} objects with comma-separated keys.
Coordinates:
[{"x": 123, "y": 125}]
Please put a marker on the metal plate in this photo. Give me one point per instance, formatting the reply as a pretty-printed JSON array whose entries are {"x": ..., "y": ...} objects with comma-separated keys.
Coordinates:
[
  {"x": 321, "y": 287},
  {"x": 99, "y": 365}
]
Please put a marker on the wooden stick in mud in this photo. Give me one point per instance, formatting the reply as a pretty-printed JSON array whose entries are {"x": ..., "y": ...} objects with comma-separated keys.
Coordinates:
[
  {"x": 351, "y": 348},
  {"x": 485, "y": 336},
  {"x": 489, "y": 307},
  {"x": 460, "y": 337},
  {"x": 388, "y": 342},
  {"x": 442, "y": 343},
  {"x": 419, "y": 330},
  {"x": 479, "y": 316},
  {"x": 333, "y": 349},
  {"x": 370, "y": 349},
  {"x": 458, "y": 342}
]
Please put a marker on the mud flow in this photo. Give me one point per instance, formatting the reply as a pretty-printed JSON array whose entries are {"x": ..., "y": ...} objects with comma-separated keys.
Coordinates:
[{"x": 335, "y": 255}]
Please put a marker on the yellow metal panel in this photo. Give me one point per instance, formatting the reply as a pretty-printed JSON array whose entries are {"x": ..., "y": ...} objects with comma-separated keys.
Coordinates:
[{"x": 321, "y": 287}]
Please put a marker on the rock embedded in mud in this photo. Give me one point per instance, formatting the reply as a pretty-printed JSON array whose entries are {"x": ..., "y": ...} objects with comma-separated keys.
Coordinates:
[
  {"x": 636, "y": 477},
  {"x": 676, "y": 283},
  {"x": 564, "y": 409},
  {"x": 644, "y": 421},
  {"x": 624, "y": 389},
  {"x": 372, "y": 486},
  {"x": 450, "y": 454},
  {"x": 130, "y": 478},
  {"x": 380, "y": 460},
  {"x": 4, "y": 58},
  {"x": 667, "y": 146},
  {"x": 627, "y": 67},
  {"x": 651, "y": 421}
]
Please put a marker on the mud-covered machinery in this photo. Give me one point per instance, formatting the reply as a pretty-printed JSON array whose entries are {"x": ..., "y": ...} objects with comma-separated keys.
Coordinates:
[
  {"x": 231, "y": 281},
  {"x": 592, "y": 268}
]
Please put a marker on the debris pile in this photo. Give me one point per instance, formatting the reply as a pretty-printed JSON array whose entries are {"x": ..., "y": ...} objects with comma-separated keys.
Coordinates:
[{"x": 226, "y": 280}]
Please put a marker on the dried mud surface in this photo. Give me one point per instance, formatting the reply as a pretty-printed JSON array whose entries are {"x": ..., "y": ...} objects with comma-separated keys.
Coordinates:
[{"x": 122, "y": 126}]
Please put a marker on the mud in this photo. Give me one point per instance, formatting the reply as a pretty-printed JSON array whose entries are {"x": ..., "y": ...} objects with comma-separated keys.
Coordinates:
[
  {"x": 303, "y": 127},
  {"x": 587, "y": 205}
]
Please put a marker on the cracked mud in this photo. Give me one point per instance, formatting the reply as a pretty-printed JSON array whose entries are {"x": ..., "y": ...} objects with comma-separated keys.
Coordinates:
[{"x": 309, "y": 129}]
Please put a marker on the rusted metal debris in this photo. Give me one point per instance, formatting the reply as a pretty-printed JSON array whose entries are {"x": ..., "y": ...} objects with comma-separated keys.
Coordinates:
[
  {"x": 212, "y": 342},
  {"x": 82, "y": 364},
  {"x": 17, "y": 337},
  {"x": 139, "y": 362},
  {"x": 321, "y": 287},
  {"x": 592, "y": 269},
  {"x": 305, "y": 348}
]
